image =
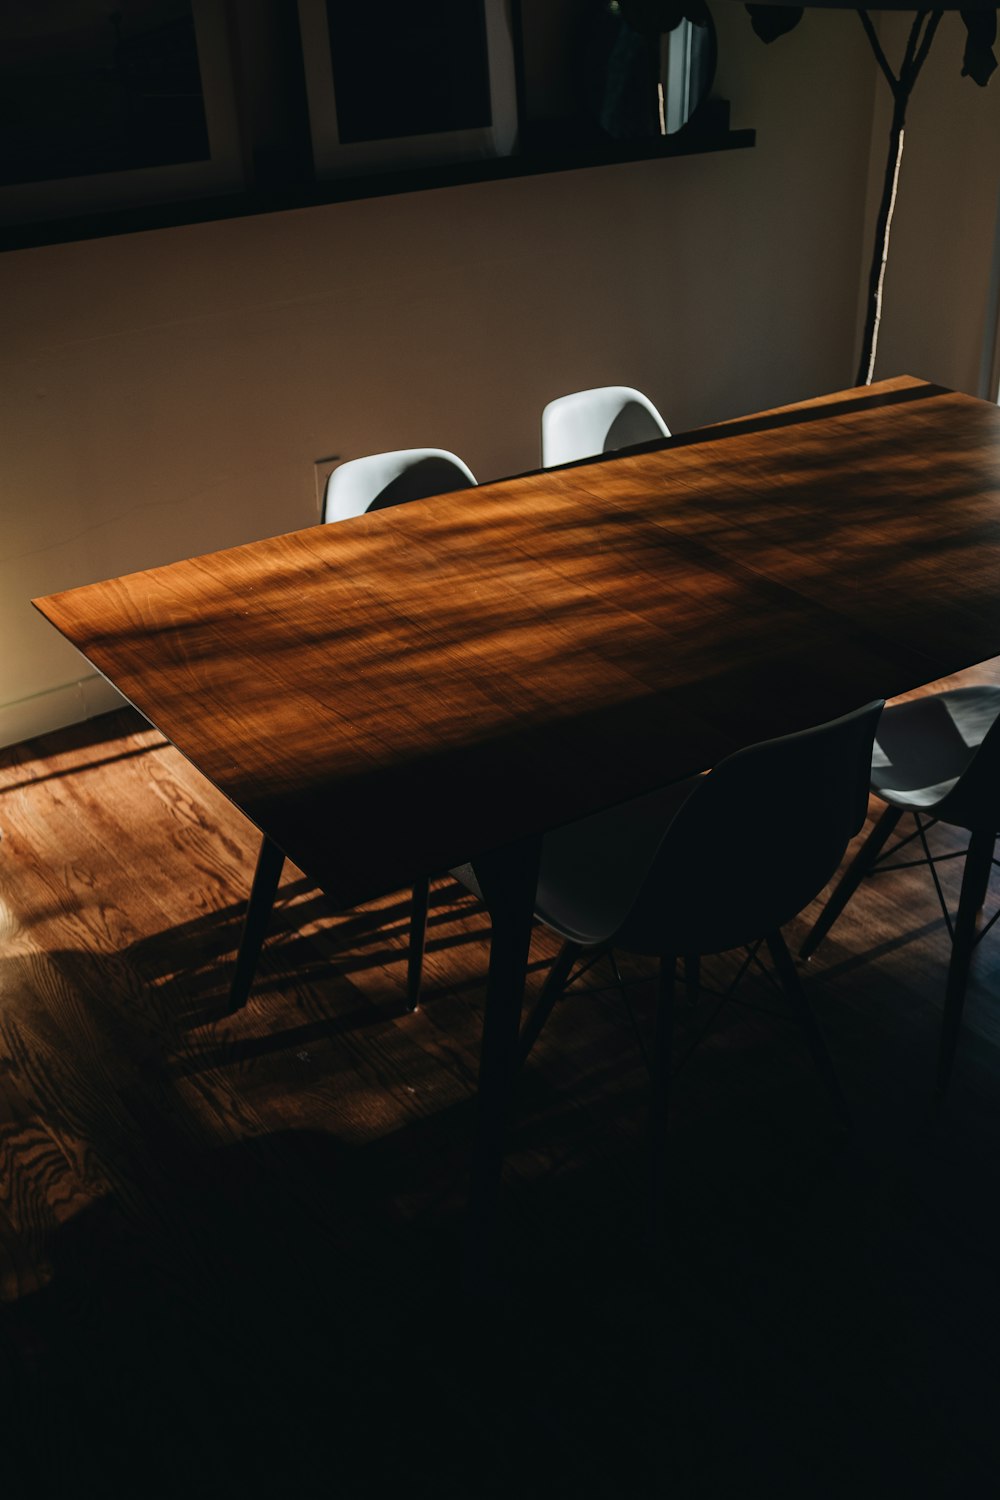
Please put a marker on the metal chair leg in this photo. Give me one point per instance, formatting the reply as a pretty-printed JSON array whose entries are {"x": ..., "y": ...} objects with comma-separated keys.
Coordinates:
[
  {"x": 975, "y": 879},
  {"x": 555, "y": 983},
  {"x": 792, "y": 986},
  {"x": 418, "y": 937},
  {"x": 270, "y": 862},
  {"x": 851, "y": 879}
]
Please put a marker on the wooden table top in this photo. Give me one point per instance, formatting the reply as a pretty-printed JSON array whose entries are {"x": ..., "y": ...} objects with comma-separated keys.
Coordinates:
[{"x": 390, "y": 695}]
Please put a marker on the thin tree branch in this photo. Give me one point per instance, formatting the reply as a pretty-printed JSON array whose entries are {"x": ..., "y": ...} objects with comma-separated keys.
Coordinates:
[
  {"x": 877, "y": 49},
  {"x": 881, "y": 255},
  {"x": 917, "y": 47},
  {"x": 905, "y": 81},
  {"x": 925, "y": 45}
]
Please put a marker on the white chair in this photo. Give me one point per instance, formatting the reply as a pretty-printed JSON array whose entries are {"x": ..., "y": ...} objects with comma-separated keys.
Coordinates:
[
  {"x": 937, "y": 757},
  {"x": 383, "y": 479},
  {"x": 711, "y": 864},
  {"x": 588, "y": 423},
  {"x": 360, "y": 485}
]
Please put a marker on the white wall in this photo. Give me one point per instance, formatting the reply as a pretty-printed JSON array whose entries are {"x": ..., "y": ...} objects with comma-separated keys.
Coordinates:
[{"x": 166, "y": 393}]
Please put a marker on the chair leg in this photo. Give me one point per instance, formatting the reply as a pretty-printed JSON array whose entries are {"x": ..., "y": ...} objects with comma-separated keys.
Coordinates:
[
  {"x": 555, "y": 983},
  {"x": 660, "y": 1100},
  {"x": 852, "y": 878},
  {"x": 792, "y": 986},
  {"x": 270, "y": 862},
  {"x": 418, "y": 937},
  {"x": 975, "y": 879}
]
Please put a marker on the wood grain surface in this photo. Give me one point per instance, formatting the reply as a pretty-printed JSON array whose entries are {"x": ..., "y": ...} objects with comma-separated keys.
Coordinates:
[{"x": 397, "y": 692}]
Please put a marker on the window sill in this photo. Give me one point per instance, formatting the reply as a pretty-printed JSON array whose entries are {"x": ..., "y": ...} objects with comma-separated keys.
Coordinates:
[{"x": 553, "y": 155}]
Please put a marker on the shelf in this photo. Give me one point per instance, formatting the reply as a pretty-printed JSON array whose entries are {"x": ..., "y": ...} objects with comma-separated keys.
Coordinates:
[{"x": 554, "y": 156}]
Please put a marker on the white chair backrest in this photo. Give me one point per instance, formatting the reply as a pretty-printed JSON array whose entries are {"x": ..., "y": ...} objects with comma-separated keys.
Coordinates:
[
  {"x": 973, "y": 799},
  {"x": 383, "y": 479},
  {"x": 588, "y": 423},
  {"x": 756, "y": 841}
]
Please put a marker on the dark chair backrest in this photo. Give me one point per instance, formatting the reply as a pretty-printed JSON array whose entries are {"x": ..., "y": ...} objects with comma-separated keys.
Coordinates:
[{"x": 756, "y": 841}]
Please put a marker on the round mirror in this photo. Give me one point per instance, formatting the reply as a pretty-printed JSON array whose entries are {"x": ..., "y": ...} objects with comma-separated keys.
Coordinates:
[{"x": 651, "y": 66}]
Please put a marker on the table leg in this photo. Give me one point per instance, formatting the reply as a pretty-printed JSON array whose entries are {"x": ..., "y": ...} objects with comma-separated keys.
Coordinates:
[
  {"x": 508, "y": 879},
  {"x": 265, "y": 884}
]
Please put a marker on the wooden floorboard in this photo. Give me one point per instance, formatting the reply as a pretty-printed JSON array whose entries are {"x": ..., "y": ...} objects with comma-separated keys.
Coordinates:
[{"x": 229, "y": 1243}]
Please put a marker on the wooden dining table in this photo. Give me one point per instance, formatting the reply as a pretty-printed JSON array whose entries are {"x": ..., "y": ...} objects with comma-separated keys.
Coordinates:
[{"x": 446, "y": 680}]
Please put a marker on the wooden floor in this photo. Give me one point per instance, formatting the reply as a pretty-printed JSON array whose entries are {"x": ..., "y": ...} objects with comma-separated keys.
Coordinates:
[{"x": 229, "y": 1244}]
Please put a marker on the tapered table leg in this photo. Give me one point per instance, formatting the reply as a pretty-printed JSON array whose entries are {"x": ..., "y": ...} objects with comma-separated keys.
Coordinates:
[
  {"x": 508, "y": 879},
  {"x": 270, "y": 861},
  {"x": 419, "y": 903}
]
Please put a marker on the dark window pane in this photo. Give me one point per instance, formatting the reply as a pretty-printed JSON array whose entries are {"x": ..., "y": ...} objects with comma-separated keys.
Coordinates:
[
  {"x": 87, "y": 88},
  {"x": 404, "y": 69}
]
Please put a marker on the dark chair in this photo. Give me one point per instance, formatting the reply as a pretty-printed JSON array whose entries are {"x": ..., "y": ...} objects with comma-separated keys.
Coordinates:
[
  {"x": 374, "y": 482},
  {"x": 711, "y": 864},
  {"x": 937, "y": 758}
]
